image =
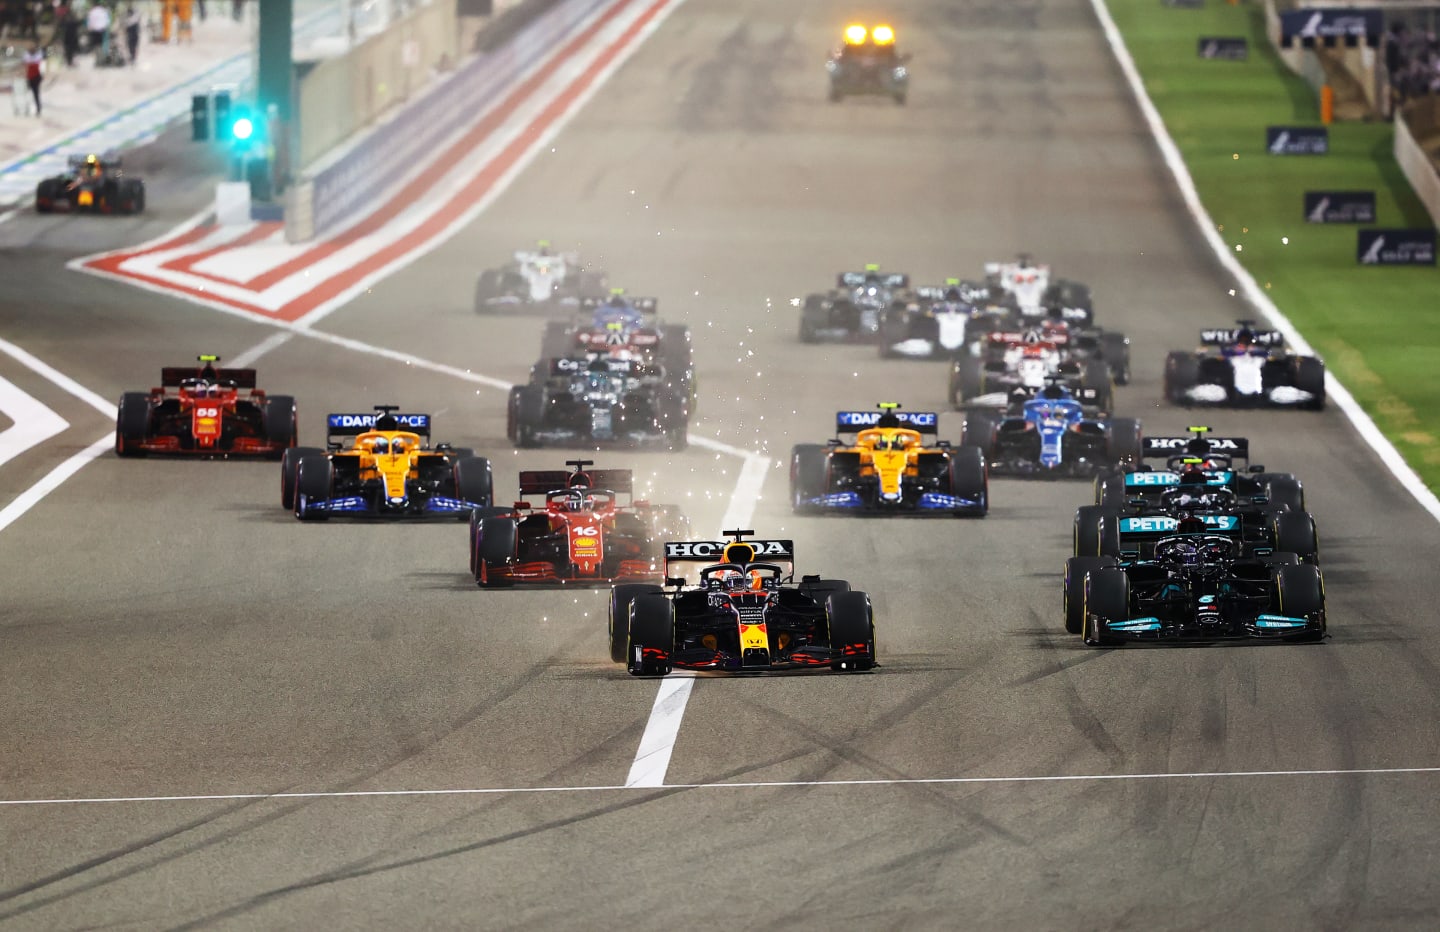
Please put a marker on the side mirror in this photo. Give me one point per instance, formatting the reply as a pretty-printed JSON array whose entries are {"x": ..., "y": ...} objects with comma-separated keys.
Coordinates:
[{"x": 1256, "y": 467}]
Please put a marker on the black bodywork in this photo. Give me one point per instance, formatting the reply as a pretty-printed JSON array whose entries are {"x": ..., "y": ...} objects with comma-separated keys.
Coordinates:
[
  {"x": 851, "y": 312},
  {"x": 595, "y": 399},
  {"x": 92, "y": 184}
]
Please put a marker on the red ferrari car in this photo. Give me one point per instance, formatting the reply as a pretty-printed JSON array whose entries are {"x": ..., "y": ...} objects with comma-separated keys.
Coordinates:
[
  {"x": 583, "y": 534},
  {"x": 205, "y": 411}
]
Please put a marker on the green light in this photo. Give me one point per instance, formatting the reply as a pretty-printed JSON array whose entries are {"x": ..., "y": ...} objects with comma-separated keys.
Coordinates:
[{"x": 242, "y": 129}]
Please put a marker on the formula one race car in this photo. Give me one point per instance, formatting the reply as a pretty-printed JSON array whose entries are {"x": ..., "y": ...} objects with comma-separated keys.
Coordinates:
[
  {"x": 939, "y": 323},
  {"x": 205, "y": 415},
  {"x": 1052, "y": 435},
  {"x": 1007, "y": 362},
  {"x": 888, "y": 469},
  {"x": 595, "y": 399},
  {"x": 620, "y": 324},
  {"x": 538, "y": 277},
  {"x": 851, "y": 311},
  {"x": 389, "y": 470},
  {"x": 1263, "y": 512},
  {"x": 1035, "y": 291},
  {"x": 1243, "y": 366},
  {"x": 1193, "y": 585},
  {"x": 867, "y": 63},
  {"x": 582, "y": 535},
  {"x": 92, "y": 183},
  {"x": 742, "y": 612}
]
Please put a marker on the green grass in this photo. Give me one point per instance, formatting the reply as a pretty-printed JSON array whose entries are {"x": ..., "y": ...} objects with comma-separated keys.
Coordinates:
[{"x": 1378, "y": 329}]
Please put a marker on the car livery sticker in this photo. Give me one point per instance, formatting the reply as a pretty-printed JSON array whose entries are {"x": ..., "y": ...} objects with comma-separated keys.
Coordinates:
[{"x": 1152, "y": 524}]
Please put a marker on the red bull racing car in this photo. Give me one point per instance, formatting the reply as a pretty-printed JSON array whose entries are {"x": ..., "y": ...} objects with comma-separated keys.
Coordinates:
[
  {"x": 733, "y": 605},
  {"x": 583, "y": 534},
  {"x": 205, "y": 411}
]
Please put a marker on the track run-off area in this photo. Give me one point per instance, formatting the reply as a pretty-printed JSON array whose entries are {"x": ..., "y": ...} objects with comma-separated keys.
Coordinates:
[{"x": 216, "y": 716}]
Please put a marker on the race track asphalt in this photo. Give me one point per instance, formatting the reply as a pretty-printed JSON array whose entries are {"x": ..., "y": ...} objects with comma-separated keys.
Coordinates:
[{"x": 169, "y": 631}]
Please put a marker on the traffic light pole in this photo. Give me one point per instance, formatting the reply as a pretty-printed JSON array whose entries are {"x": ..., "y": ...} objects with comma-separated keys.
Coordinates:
[{"x": 274, "y": 86}]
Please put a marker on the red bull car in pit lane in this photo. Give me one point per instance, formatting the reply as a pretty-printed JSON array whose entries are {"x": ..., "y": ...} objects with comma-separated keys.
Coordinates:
[
  {"x": 205, "y": 411},
  {"x": 584, "y": 534},
  {"x": 734, "y": 605}
]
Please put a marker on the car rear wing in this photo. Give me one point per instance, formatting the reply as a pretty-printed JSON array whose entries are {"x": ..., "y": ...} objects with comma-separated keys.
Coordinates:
[
  {"x": 684, "y": 559},
  {"x": 617, "y": 337},
  {"x": 566, "y": 366},
  {"x": 970, "y": 292},
  {"x": 888, "y": 280},
  {"x": 1088, "y": 397},
  {"x": 108, "y": 160},
  {"x": 353, "y": 425},
  {"x": 644, "y": 305},
  {"x": 1228, "y": 335},
  {"x": 1236, "y": 448},
  {"x": 1074, "y": 316},
  {"x": 172, "y": 376},
  {"x": 1150, "y": 528},
  {"x": 544, "y": 481},
  {"x": 849, "y": 422}
]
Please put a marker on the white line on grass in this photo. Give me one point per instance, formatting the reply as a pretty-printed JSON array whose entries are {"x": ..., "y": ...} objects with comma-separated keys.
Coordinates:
[
  {"x": 1253, "y": 292},
  {"x": 751, "y": 785}
]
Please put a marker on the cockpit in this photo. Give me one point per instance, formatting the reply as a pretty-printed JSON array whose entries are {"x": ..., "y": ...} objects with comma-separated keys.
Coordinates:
[
  {"x": 1197, "y": 555},
  {"x": 378, "y": 444},
  {"x": 580, "y": 500},
  {"x": 742, "y": 577},
  {"x": 888, "y": 439}
]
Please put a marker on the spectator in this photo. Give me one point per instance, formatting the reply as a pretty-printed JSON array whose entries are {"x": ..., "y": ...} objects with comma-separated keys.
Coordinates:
[
  {"x": 70, "y": 36},
  {"x": 34, "y": 71},
  {"x": 97, "y": 22},
  {"x": 132, "y": 23}
]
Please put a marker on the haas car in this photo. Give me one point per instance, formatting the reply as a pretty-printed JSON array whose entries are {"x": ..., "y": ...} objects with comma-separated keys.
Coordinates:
[
  {"x": 867, "y": 63},
  {"x": 1003, "y": 363},
  {"x": 888, "y": 469},
  {"x": 599, "y": 399},
  {"x": 91, "y": 184},
  {"x": 734, "y": 605},
  {"x": 851, "y": 312},
  {"x": 1050, "y": 435},
  {"x": 205, "y": 411},
  {"x": 381, "y": 465},
  {"x": 539, "y": 277},
  {"x": 1244, "y": 366},
  {"x": 588, "y": 531}
]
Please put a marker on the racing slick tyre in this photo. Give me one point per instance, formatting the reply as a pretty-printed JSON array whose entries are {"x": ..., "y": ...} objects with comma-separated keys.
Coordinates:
[
  {"x": 1284, "y": 491},
  {"x": 969, "y": 479},
  {"x": 978, "y": 432},
  {"x": 1097, "y": 531},
  {"x": 496, "y": 541},
  {"x": 620, "y": 598},
  {"x": 1294, "y": 532},
  {"x": 812, "y": 318},
  {"x": 486, "y": 289},
  {"x": 649, "y": 636},
  {"x": 130, "y": 196},
  {"x": 1124, "y": 444},
  {"x": 1107, "y": 595},
  {"x": 314, "y": 480},
  {"x": 967, "y": 380},
  {"x": 524, "y": 413},
  {"x": 1096, "y": 377},
  {"x": 290, "y": 472},
  {"x": 1115, "y": 350},
  {"x": 1300, "y": 593},
  {"x": 1310, "y": 377},
  {"x": 558, "y": 340},
  {"x": 281, "y": 420},
  {"x": 850, "y": 623},
  {"x": 1074, "y": 588},
  {"x": 47, "y": 193},
  {"x": 822, "y": 589},
  {"x": 809, "y": 474},
  {"x": 1182, "y": 373},
  {"x": 132, "y": 423},
  {"x": 476, "y": 516},
  {"x": 474, "y": 483},
  {"x": 1110, "y": 490}
]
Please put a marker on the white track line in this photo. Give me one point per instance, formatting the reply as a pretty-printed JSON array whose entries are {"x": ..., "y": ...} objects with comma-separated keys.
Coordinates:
[
  {"x": 52, "y": 480},
  {"x": 1251, "y": 288},
  {"x": 32, "y": 422},
  {"x": 250, "y": 356},
  {"x": 57, "y": 378},
  {"x": 652, "y": 759},
  {"x": 755, "y": 785}
]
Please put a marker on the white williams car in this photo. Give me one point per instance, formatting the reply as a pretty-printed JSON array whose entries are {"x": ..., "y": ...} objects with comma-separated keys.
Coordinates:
[{"x": 1244, "y": 366}]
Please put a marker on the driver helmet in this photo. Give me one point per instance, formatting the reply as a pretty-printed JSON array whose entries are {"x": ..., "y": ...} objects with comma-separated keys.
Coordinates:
[
  {"x": 397, "y": 446},
  {"x": 1052, "y": 392},
  {"x": 1189, "y": 524},
  {"x": 730, "y": 580},
  {"x": 381, "y": 446},
  {"x": 579, "y": 501}
]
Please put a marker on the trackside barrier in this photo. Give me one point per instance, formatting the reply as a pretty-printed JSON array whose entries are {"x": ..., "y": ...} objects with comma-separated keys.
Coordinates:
[
  {"x": 1420, "y": 119},
  {"x": 339, "y": 191}
]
